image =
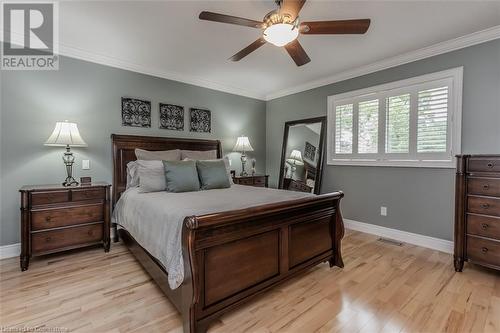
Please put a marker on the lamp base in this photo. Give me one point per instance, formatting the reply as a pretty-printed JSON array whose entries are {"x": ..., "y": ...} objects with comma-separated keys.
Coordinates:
[
  {"x": 68, "y": 160},
  {"x": 70, "y": 181},
  {"x": 243, "y": 162}
]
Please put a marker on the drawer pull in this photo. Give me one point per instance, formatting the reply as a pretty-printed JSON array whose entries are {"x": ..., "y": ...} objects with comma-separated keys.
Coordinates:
[
  {"x": 486, "y": 186},
  {"x": 484, "y": 250},
  {"x": 485, "y": 206},
  {"x": 490, "y": 165},
  {"x": 484, "y": 226},
  {"x": 48, "y": 219},
  {"x": 48, "y": 239},
  {"x": 90, "y": 232}
]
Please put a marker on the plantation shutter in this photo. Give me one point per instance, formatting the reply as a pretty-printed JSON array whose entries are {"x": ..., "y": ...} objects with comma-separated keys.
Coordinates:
[
  {"x": 368, "y": 127},
  {"x": 432, "y": 123},
  {"x": 398, "y": 124},
  {"x": 343, "y": 129}
]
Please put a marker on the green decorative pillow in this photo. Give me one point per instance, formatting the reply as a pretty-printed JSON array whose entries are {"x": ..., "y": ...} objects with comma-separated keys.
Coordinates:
[
  {"x": 212, "y": 174},
  {"x": 181, "y": 176}
]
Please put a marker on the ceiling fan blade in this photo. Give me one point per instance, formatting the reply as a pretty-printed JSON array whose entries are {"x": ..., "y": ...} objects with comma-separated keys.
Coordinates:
[
  {"x": 297, "y": 53},
  {"x": 335, "y": 27},
  {"x": 222, "y": 18},
  {"x": 249, "y": 49},
  {"x": 292, "y": 7}
]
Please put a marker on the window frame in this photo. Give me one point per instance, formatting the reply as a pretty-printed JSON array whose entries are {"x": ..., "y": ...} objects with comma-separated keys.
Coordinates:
[{"x": 453, "y": 78}]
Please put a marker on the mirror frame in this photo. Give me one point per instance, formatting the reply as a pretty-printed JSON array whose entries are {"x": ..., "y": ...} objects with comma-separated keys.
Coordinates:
[{"x": 319, "y": 172}]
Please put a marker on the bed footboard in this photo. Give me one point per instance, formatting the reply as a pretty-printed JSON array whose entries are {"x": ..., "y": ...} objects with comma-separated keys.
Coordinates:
[{"x": 232, "y": 256}]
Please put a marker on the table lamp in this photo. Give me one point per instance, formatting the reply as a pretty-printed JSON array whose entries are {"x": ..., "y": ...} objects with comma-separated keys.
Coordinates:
[
  {"x": 294, "y": 160},
  {"x": 243, "y": 145},
  {"x": 66, "y": 134}
]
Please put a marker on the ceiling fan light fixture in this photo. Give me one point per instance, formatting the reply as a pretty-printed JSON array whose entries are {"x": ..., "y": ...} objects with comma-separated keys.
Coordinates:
[{"x": 281, "y": 34}]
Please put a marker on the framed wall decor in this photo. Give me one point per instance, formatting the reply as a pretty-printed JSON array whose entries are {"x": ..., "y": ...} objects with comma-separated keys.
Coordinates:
[
  {"x": 310, "y": 152},
  {"x": 136, "y": 112},
  {"x": 172, "y": 117},
  {"x": 200, "y": 120}
]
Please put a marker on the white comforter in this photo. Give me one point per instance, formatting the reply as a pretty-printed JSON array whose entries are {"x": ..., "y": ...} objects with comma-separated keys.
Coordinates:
[{"x": 155, "y": 219}]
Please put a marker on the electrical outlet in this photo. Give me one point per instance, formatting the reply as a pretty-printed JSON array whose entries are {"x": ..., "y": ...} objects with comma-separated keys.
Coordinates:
[
  {"x": 383, "y": 211},
  {"x": 85, "y": 164}
]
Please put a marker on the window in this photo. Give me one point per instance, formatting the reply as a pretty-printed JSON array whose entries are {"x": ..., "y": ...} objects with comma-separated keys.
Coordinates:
[{"x": 414, "y": 122}]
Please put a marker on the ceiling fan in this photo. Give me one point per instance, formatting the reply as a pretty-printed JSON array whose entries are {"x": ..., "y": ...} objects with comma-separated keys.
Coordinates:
[{"x": 282, "y": 26}]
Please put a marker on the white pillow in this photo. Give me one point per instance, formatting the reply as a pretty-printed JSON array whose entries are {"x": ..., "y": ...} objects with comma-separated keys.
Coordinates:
[
  {"x": 132, "y": 175},
  {"x": 199, "y": 154},
  {"x": 151, "y": 176},
  {"x": 151, "y": 155}
]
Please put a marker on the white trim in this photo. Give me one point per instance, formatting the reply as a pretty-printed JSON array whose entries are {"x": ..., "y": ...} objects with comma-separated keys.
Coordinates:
[
  {"x": 451, "y": 77},
  {"x": 402, "y": 236},
  {"x": 102, "y": 59},
  {"x": 475, "y": 38},
  {"x": 10, "y": 251}
]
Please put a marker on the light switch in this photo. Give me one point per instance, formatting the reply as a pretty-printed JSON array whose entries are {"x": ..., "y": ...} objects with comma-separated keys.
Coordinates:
[
  {"x": 383, "y": 211},
  {"x": 85, "y": 164}
]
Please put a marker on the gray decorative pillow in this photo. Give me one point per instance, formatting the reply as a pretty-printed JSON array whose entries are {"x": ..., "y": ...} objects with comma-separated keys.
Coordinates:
[
  {"x": 199, "y": 154},
  {"x": 212, "y": 174},
  {"x": 163, "y": 155},
  {"x": 181, "y": 176},
  {"x": 151, "y": 176}
]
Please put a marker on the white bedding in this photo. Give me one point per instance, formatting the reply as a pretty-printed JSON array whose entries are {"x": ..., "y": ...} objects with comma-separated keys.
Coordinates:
[{"x": 155, "y": 219}]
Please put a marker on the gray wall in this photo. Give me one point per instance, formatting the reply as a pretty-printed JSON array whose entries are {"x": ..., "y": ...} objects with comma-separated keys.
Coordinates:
[
  {"x": 89, "y": 94},
  {"x": 419, "y": 200}
]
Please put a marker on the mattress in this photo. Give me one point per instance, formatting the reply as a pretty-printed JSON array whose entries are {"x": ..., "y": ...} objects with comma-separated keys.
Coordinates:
[{"x": 155, "y": 219}]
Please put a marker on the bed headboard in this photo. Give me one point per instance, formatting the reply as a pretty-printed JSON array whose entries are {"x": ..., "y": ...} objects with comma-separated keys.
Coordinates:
[{"x": 124, "y": 146}]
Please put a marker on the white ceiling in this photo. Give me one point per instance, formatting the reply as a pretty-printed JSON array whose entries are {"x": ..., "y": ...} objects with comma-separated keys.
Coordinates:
[{"x": 168, "y": 39}]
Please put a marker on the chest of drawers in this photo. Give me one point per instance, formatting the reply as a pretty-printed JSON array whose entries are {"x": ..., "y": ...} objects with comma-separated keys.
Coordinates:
[
  {"x": 477, "y": 211},
  {"x": 56, "y": 218}
]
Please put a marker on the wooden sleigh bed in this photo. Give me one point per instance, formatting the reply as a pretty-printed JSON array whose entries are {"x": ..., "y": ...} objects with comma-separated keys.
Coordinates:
[{"x": 232, "y": 256}]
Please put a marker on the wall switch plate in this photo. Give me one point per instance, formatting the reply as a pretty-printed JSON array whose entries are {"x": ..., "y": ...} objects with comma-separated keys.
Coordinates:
[
  {"x": 383, "y": 211},
  {"x": 85, "y": 164}
]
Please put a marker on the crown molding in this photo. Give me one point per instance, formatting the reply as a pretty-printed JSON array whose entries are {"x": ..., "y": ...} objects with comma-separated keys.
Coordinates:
[
  {"x": 426, "y": 52},
  {"x": 106, "y": 60}
]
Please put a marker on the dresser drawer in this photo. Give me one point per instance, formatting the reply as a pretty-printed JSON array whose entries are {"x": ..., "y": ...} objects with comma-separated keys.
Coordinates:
[
  {"x": 483, "y": 205},
  {"x": 85, "y": 194},
  {"x": 64, "y": 238},
  {"x": 484, "y": 164},
  {"x": 484, "y": 226},
  {"x": 53, "y": 218},
  {"x": 483, "y": 251},
  {"x": 484, "y": 186},
  {"x": 44, "y": 198}
]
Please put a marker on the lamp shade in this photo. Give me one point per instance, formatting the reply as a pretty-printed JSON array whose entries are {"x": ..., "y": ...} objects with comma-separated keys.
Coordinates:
[
  {"x": 65, "y": 134},
  {"x": 295, "y": 157},
  {"x": 243, "y": 144}
]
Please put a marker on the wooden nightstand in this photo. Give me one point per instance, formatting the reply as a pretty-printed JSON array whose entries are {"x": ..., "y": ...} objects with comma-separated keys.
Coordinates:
[
  {"x": 252, "y": 180},
  {"x": 55, "y": 218}
]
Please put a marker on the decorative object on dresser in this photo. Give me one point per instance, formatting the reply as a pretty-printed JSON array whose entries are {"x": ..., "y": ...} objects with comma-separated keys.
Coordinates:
[
  {"x": 243, "y": 145},
  {"x": 66, "y": 134},
  {"x": 252, "y": 180},
  {"x": 302, "y": 138},
  {"x": 200, "y": 120},
  {"x": 254, "y": 162},
  {"x": 136, "y": 112},
  {"x": 294, "y": 185},
  {"x": 55, "y": 218},
  {"x": 294, "y": 160},
  {"x": 477, "y": 211},
  {"x": 172, "y": 117}
]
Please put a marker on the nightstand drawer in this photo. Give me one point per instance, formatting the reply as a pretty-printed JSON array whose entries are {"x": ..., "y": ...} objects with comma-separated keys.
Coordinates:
[
  {"x": 485, "y": 226},
  {"x": 44, "y": 198},
  {"x": 47, "y": 241},
  {"x": 84, "y": 194},
  {"x": 53, "y": 218},
  {"x": 245, "y": 181},
  {"x": 483, "y": 251},
  {"x": 259, "y": 181}
]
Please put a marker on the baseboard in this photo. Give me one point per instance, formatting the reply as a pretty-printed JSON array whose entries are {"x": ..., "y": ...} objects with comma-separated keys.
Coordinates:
[
  {"x": 14, "y": 250},
  {"x": 402, "y": 236},
  {"x": 9, "y": 251}
]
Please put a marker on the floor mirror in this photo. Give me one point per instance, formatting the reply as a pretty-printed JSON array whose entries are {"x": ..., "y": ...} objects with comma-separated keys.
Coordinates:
[{"x": 302, "y": 155}]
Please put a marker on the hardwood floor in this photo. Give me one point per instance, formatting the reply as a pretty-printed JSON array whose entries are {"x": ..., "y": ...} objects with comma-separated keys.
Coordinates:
[{"x": 383, "y": 288}]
